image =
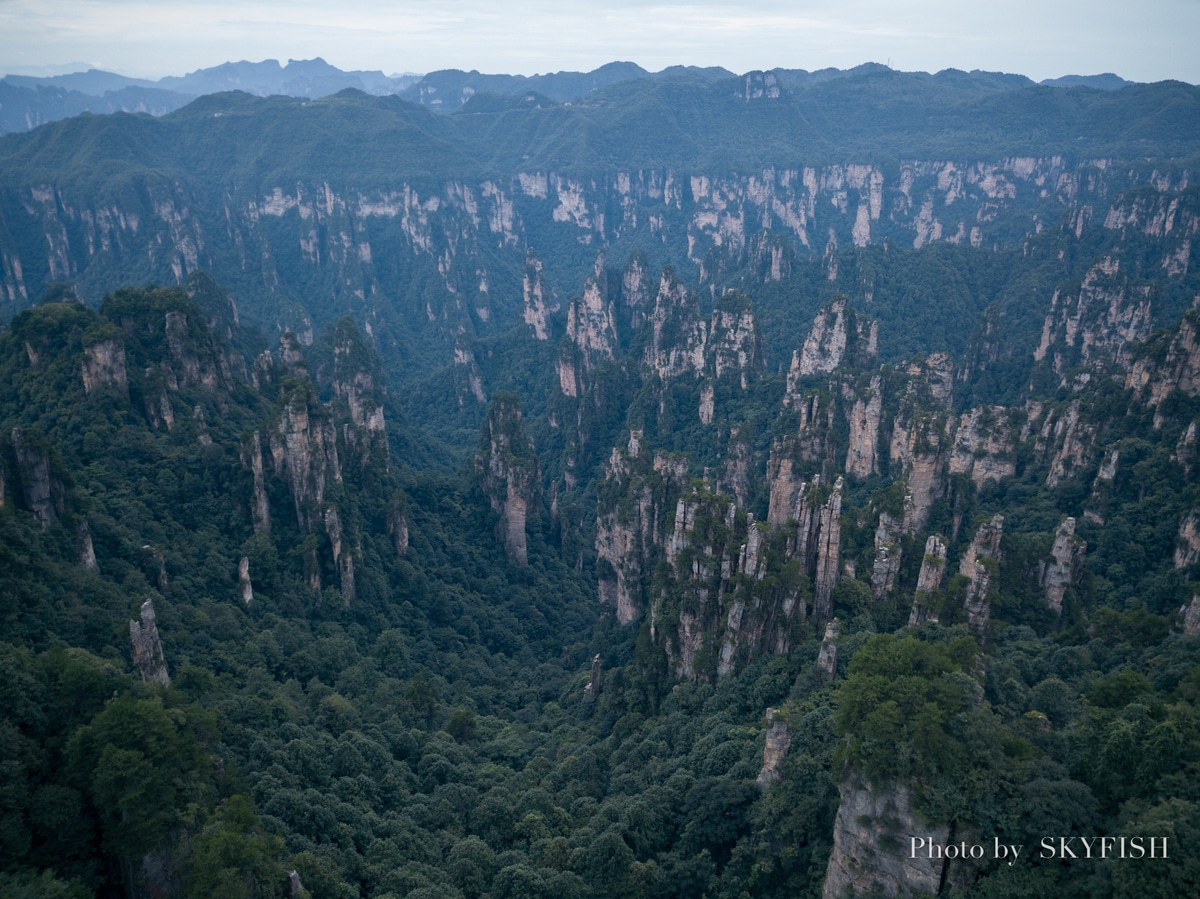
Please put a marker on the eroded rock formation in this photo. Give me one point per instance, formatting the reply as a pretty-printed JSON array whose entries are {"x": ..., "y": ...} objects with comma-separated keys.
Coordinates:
[
  {"x": 1063, "y": 568},
  {"x": 147, "y": 648},
  {"x": 977, "y": 565},
  {"x": 42, "y": 492},
  {"x": 837, "y": 334},
  {"x": 779, "y": 740},
  {"x": 508, "y": 474},
  {"x": 872, "y": 846},
  {"x": 244, "y": 585},
  {"x": 888, "y": 555},
  {"x": 104, "y": 363},
  {"x": 933, "y": 569},
  {"x": 828, "y": 656}
]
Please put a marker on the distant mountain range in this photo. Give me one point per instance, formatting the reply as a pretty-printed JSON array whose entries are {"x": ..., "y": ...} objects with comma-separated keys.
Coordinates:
[{"x": 28, "y": 101}]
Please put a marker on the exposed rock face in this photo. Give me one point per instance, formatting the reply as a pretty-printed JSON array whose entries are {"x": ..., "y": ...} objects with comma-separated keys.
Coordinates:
[
  {"x": 1069, "y": 439},
  {"x": 735, "y": 478},
  {"x": 147, "y": 648},
  {"x": 872, "y": 843},
  {"x": 974, "y": 566},
  {"x": 681, "y": 342},
  {"x": 809, "y": 449},
  {"x": 509, "y": 475},
  {"x": 1099, "y": 324},
  {"x": 1187, "y": 543},
  {"x": 87, "y": 553},
  {"x": 1067, "y": 553},
  {"x": 591, "y": 332},
  {"x": 923, "y": 453},
  {"x": 252, "y": 458},
  {"x": 1189, "y": 617},
  {"x": 862, "y": 456},
  {"x": 291, "y": 356},
  {"x": 304, "y": 449},
  {"x": 887, "y": 555},
  {"x": 42, "y": 493},
  {"x": 837, "y": 334},
  {"x": 1154, "y": 381},
  {"x": 194, "y": 360},
  {"x": 630, "y": 535},
  {"x": 779, "y": 740},
  {"x": 159, "y": 410},
  {"x": 201, "y": 424},
  {"x": 533, "y": 289},
  {"x": 729, "y": 597},
  {"x": 355, "y": 381},
  {"x": 104, "y": 363},
  {"x": 933, "y": 569},
  {"x": 342, "y": 559},
  {"x": 244, "y": 585},
  {"x": 593, "y": 685},
  {"x": 983, "y": 445},
  {"x": 827, "y": 658},
  {"x": 397, "y": 526},
  {"x": 468, "y": 378},
  {"x": 827, "y": 565}
]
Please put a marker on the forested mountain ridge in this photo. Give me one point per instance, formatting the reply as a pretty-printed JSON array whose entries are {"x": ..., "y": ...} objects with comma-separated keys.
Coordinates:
[
  {"x": 601, "y": 528},
  {"x": 27, "y": 101}
]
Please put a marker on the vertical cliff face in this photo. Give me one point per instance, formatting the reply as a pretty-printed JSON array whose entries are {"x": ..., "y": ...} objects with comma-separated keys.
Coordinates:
[
  {"x": 888, "y": 555},
  {"x": 538, "y": 303},
  {"x": 1187, "y": 541},
  {"x": 104, "y": 363},
  {"x": 87, "y": 552},
  {"x": 798, "y": 455},
  {"x": 736, "y": 477},
  {"x": 1063, "y": 568},
  {"x": 591, "y": 336},
  {"x": 1098, "y": 323},
  {"x": 304, "y": 451},
  {"x": 1155, "y": 376},
  {"x": 978, "y": 566},
  {"x": 147, "y": 648},
  {"x": 508, "y": 474},
  {"x": 729, "y": 596},
  {"x": 397, "y": 524},
  {"x": 635, "y": 501},
  {"x": 356, "y": 381},
  {"x": 838, "y": 336},
  {"x": 1189, "y": 617},
  {"x": 252, "y": 458},
  {"x": 245, "y": 587},
  {"x": 873, "y": 835},
  {"x": 779, "y": 740},
  {"x": 828, "y": 569},
  {"x": 862, "y": 455},
  {"x": 42, "y": 492},
  {"x": 933, "y": 569},
  {"x": 984, "y": 445},
  {"x": 827, "y": 659}
]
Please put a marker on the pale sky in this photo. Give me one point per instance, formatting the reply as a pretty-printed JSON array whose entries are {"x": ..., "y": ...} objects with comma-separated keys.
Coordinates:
[{"x": 1159, "y": 39}]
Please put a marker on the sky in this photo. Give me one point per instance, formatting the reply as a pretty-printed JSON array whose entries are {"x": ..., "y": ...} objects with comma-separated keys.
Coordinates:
[{"x": 1037, "y": 38}]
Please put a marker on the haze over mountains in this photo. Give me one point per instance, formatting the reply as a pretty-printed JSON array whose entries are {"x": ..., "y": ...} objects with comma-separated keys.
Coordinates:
[
  {"x": 628, "y": 485},
  {"x": 27, "y": 101}
]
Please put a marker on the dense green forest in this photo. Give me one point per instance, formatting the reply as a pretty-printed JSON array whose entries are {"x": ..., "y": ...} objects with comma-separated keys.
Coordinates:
[{"x": 499, "y": 524}]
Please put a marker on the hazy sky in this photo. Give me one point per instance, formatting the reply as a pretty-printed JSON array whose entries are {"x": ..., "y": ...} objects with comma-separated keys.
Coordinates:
[{"x": 1038, "y": 38}]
